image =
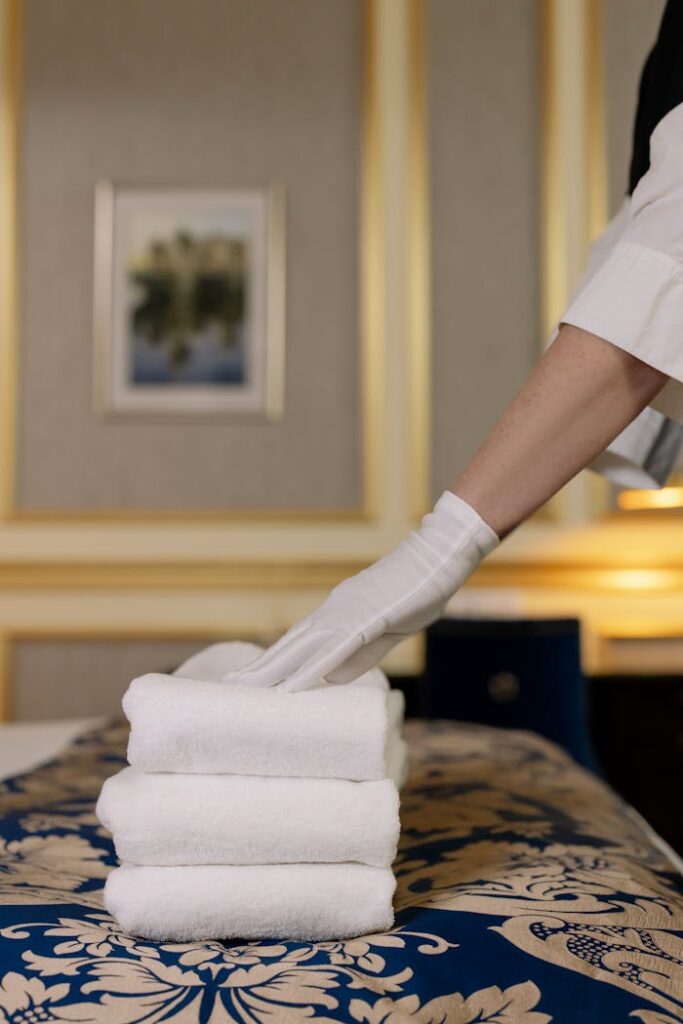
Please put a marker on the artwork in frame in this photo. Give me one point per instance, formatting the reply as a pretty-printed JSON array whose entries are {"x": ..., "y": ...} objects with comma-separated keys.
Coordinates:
[{"x": 189, "y": 301}]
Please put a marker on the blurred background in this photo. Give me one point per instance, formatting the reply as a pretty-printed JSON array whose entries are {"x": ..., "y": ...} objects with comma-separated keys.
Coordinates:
[{"x": 443, "y": 166}]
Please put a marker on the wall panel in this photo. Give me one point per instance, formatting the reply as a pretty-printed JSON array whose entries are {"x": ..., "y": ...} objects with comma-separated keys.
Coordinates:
[
  {"x": 69, "y": 678},
  {"x": 216, "y": 92},
  {"x": 484, "y": 114}
]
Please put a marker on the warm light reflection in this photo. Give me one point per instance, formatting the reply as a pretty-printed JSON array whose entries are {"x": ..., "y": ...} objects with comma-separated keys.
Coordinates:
[
  {"x": 667, "y": 497},
  {"x": 641, "y": 579}
]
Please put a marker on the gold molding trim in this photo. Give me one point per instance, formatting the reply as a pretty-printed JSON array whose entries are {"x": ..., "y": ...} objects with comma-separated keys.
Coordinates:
[
  {"x": 5, "y": 679},
  {"x": 370, "y": 315},
  {"x": 590, "y": 576},
  {"x": 10, "y": 72},
  {"x": 555, "y": 147},
  {"x": 179, "y": 576},
  {"x": 371, "y": 267},
  {"x": 159, "y": 516},
  {"x": 553, "y": 263},
  {"x": 135, "y": 576},
  {"x": 418, "y": 291},
  {"x": 596, "y": 146}
]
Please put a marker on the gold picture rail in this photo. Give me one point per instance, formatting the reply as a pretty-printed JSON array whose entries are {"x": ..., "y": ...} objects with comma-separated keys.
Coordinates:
[{"x": 179, "y": 576}]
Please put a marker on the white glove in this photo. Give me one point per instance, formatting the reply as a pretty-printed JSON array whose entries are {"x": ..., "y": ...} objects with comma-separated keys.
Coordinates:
[{"x": 366, "y": 615}]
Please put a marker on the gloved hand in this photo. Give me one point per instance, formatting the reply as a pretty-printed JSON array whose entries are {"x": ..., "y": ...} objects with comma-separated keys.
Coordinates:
[{"x": 366, "y": 615}]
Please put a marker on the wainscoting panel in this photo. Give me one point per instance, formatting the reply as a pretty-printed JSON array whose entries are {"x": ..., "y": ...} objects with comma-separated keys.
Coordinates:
[{"x": 73, "y": 677}]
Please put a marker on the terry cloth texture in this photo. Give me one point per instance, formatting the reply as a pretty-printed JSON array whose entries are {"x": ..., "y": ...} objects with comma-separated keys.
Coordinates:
[
  {"x": 202, "y": 725},
  {"x": 162, "y": 818},
  {"x": 293, "y": 901},
  {"x": 251, "y": 812}
]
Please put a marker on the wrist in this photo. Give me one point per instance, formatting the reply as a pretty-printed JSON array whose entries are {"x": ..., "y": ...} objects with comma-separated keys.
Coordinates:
[{"x": 461, "y": 520}]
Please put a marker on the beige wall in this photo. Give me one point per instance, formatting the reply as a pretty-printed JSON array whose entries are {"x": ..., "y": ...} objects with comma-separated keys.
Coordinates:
[
  {"x": 210, "y": 92},
  {"x": 84, "y": 601},
  {"x": 67, "y": 678},
  {"x": 484, "y": 107}
]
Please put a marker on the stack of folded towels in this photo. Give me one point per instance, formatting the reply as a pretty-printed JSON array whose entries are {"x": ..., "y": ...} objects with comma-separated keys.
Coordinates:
[{"x": 253, "y": 813}]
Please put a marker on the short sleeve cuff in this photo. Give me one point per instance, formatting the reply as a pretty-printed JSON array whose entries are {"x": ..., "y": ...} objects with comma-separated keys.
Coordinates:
[
  {"x": 644, "y": 454},
  {"x": 635, "y": 301}
]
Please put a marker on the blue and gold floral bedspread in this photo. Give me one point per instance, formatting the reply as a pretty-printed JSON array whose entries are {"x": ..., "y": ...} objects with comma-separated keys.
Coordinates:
[{"x": 527, "y": 893}]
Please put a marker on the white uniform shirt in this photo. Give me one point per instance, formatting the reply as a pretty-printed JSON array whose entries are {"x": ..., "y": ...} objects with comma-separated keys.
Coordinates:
[{"x": 631, "y": 294}]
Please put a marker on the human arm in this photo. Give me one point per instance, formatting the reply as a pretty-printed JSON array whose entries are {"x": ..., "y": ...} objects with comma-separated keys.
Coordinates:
[
  {"x": 618, "y": 343},
  {"x": 580, "y": 395}
]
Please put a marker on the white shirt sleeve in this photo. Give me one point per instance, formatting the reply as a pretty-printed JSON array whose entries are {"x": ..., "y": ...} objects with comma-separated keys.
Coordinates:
[
  {"x": 634, "y": 299},
  {"x": 631, "y": 294}
]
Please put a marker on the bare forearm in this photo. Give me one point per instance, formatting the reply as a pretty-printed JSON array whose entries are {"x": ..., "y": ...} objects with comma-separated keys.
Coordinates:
[{"x": 582, "y": 393}]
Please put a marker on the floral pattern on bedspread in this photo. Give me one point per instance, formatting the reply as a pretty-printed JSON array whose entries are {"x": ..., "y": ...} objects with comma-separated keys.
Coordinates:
[{"x": 527, "y": 893}]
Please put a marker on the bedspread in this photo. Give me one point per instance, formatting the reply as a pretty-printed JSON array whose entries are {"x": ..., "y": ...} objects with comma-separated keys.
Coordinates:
[{"x": 527, "y": 892}]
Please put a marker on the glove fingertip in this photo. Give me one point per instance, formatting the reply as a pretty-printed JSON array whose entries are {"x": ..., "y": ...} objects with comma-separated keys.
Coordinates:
[{"x": 298, "y": 682}]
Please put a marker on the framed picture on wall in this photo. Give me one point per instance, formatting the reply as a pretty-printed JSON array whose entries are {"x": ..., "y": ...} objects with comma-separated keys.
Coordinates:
[{"x": 189, "y": 301}]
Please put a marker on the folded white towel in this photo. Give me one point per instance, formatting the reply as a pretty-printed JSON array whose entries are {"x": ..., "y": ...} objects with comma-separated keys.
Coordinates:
[
  {"x": 310, "y": 902},
  {"x": 205, "y": 726},
  {"x": 162, "y": 818},
  {"x": 217, "y": 660}
]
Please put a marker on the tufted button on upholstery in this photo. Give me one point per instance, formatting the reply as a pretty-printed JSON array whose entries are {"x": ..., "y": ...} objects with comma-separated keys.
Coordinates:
[{"x": 504, "y": 687}]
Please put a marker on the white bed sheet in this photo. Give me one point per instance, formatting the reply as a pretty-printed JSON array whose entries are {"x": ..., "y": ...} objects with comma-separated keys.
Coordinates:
[{"x": 23, "y": 745}]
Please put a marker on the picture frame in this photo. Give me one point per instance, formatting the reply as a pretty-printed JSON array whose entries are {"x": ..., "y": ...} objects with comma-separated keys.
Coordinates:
[{"x": 189, "y": 302}]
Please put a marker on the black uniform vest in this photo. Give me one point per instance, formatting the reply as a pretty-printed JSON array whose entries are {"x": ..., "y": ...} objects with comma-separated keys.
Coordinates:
[{"x": 660, "y": 89}]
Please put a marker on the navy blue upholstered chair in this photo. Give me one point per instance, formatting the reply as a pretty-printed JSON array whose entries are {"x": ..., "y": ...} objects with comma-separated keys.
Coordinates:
[{"x": 514, "y": 673}]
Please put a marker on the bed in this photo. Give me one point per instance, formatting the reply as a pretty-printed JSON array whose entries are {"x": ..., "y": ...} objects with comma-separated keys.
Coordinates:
[{"x": 527, "y": 893}]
